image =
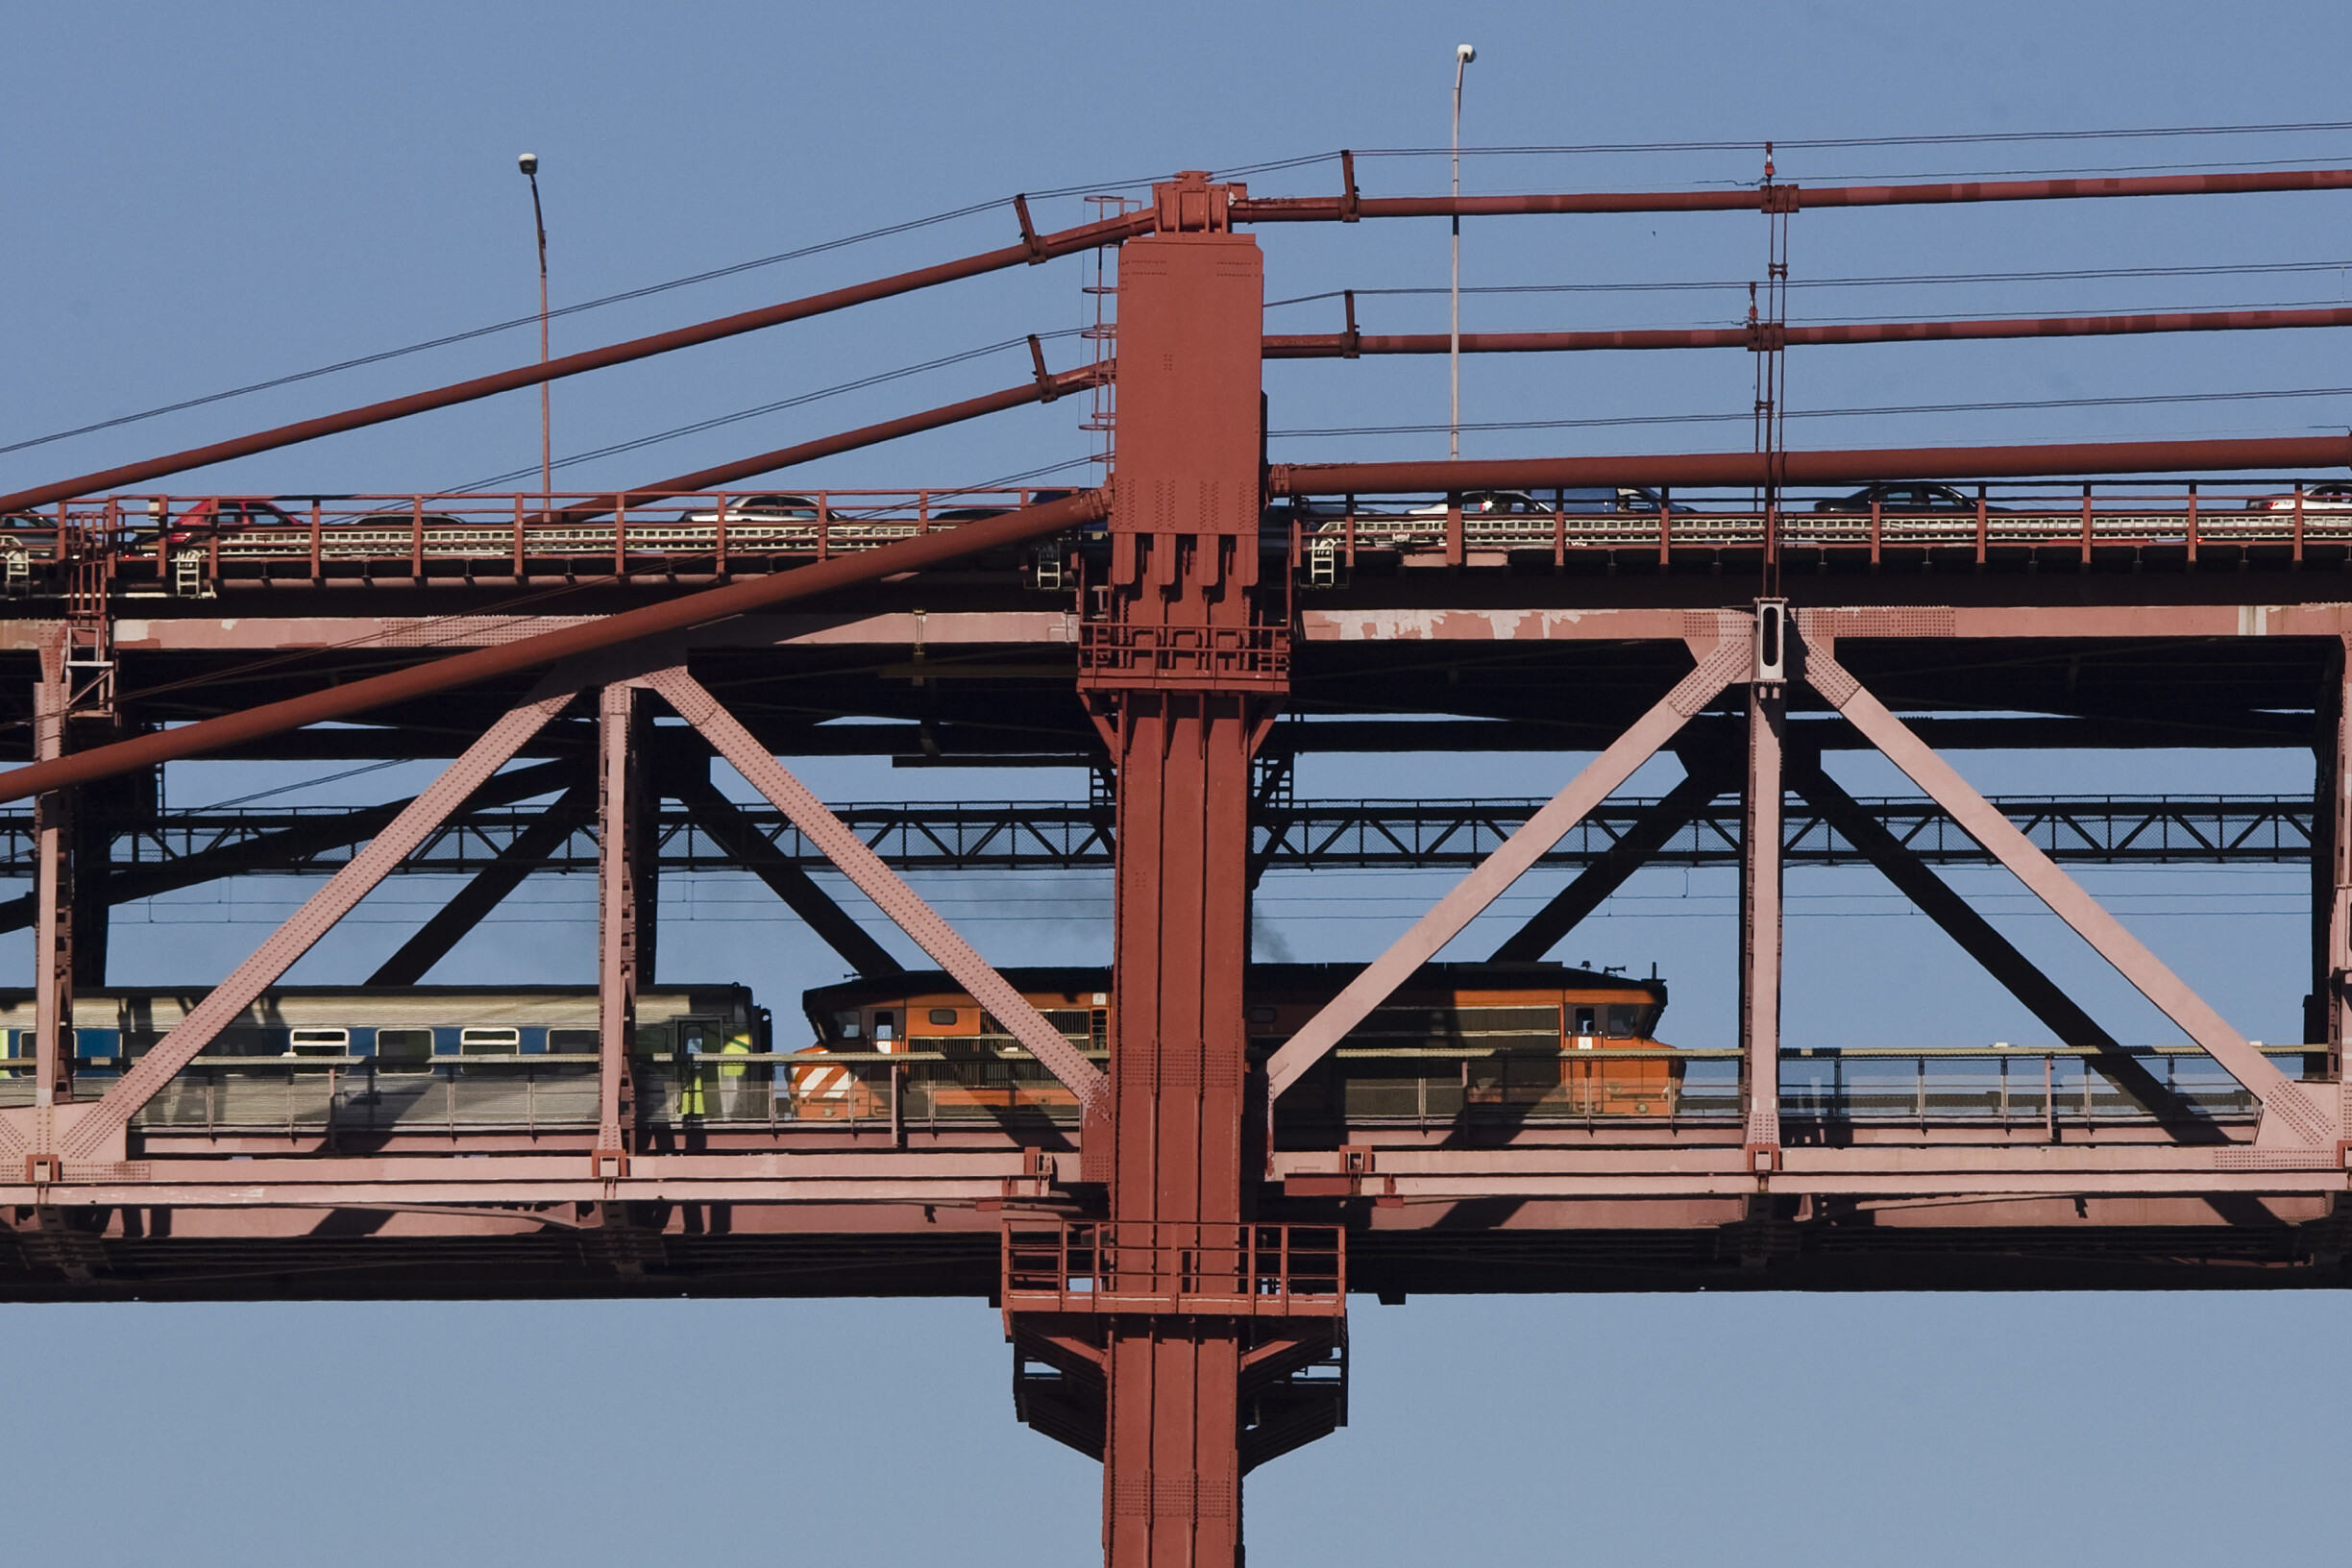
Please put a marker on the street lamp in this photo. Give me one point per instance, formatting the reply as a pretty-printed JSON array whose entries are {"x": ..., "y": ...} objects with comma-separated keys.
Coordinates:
[
  {"x": 1464, "y": 55},
  {"x": 529, "y": 163}
]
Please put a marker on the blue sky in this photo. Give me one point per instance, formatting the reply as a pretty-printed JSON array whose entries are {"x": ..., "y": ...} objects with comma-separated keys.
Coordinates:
[{"x": 201, "y": 198}]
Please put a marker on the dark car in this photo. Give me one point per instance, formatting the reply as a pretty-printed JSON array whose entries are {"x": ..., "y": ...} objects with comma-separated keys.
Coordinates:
[
  {"x": 1638, "y": 499},
  {"x": 975, "y": 514},
  {"x": 1905, "y": 496}
]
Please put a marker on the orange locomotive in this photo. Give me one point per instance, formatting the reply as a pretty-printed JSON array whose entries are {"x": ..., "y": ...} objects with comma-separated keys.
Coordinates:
[{"x": 1537, "y": 1036}]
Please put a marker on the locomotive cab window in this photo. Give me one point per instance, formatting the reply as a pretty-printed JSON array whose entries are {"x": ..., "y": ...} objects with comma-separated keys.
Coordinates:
[
  {"x": 944, "y": 1017},
  {"x": 884, "y": 1028},
  {"x": 489, "y": 1042},
  {"x": 1584, "y": 1021},
  {"x": 846, "y": 1026},
  {"x": 1624, "y": 1020}
]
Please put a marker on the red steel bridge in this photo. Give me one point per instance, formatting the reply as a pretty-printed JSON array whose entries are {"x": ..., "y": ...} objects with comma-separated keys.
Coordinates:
[{"x": 1172, "y": 1225}]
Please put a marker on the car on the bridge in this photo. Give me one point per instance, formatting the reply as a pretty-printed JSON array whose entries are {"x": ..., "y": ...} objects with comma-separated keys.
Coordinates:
[
  {"x": 1907, "y": 496},
  {"x": 1488, "y": 504},
  {"x": 769, "y": 507},
  {"x": 212, "y": 516},
  {"x": 977, "y": 514},
  {"x": 2332, "y": 496}
]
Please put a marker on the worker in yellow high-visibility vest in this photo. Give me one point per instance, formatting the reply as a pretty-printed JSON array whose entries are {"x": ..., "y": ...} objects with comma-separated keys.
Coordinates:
[{"x": 732, "y": 1099}]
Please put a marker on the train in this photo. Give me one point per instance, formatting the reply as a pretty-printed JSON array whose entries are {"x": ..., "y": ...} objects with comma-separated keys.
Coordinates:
[
  {"x": 1516, "y": 1034},
  {"x": 1541, "y": 1037},
  {"x": 391, "y": 1026}
]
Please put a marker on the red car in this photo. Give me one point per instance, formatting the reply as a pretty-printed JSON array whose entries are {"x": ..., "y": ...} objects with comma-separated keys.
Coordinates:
[{"x": 217, "y": 515}]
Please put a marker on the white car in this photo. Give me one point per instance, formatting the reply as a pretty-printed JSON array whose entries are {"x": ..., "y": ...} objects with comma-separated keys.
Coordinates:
[
  {"x": 757, "y": 508},
  {"x": 1489, "y": 503},
  {"x": 2335, "y": 496}
]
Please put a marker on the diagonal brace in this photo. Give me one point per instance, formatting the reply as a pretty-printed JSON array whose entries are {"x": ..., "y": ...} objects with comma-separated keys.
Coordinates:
[
  {"x": 1976, "y": 937},
  {"x": 1727, "y": 659},
  {"x": 1675, "y": 811},
  {"x": 734, "y": 832},
  {"x": 228, "y": 999},
  {"x": 878, "y": 882},
  {"x": 2301, "y": 1119},
  {"x": 489, "y": 888}
]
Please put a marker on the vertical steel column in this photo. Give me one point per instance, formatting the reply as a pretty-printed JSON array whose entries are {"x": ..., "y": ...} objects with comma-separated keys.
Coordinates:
[
  {"x": 617, "y": 821},
  {"x": 53, "y": 965},
  {"x": 2332, "y": 860},
  {"x": 1760, "y": 926},
  {"x": 645, "y": 844},
  {"x": 1183, "y": 677}
]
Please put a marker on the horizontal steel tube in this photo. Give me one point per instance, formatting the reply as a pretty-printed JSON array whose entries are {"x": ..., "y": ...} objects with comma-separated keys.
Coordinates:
[
  {"x": 1087, "y": 236},
  {"x": 1340, "y": 345},
  {"x": 1738, "y": 468},
  {"x": 677, "y": 615},
  {"x": 1794, "y": 198},
  {"x": 703, "y": 480}
]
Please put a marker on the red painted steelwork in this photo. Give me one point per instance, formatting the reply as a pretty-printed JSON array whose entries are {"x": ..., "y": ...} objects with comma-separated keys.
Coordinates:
[
  {"x": 1342, "y": 345},
  {"x": 1719, "y": 665},
  {"x": 1068, "y": 241},
  {"x": 890, "y": 892},
  {"x": 318, "y": 915},
  {"x": 2298, "y": 1118},
  {"x": 1741, "y": 468},
  {"x": 1760, "y": 934},
  {"x": 1166, "y": 213},
  {"x": 1183, "y": 723},
  {"x": 484, "y": 663},
  {"x": 868, "y": 435},
  {"x": 1790, "y": 198},
  {"x": 618, "y": 973}
]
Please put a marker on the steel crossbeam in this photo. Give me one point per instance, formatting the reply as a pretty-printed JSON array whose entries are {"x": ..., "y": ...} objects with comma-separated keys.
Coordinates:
[{"x": 180, "y": 849}]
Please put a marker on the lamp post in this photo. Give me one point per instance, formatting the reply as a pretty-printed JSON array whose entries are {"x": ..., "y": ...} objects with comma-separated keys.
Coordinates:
[
  {"x": 529, "y": 164},
  {"x": 1464, "y": 55}
]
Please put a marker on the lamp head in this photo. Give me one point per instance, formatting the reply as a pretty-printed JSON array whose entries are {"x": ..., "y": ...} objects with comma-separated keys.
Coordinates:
[
  {"x": 529, "y": 163},
  {"x": 1465, "y": 53}
]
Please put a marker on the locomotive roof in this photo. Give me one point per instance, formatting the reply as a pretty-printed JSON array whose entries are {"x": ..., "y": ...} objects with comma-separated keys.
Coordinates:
[{"x": 1330, "y": 978}]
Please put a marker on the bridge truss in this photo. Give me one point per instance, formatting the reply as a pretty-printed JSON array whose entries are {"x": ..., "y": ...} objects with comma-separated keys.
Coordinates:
[{"x": 1172, "y": 1236}]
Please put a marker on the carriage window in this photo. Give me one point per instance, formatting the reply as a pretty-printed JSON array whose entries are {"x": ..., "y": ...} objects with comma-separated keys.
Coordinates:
[
  {"x": 1621, "y": 1020},
  {"x": 403, "y": 1044},
  {"x": 572, "y": 1039},
  {"x": 489, "y": 1042},
  {"x": 944, "y": 1016},
  {"x": 318, "y": 1042},
  {"x": 1584, "y": 1021}
]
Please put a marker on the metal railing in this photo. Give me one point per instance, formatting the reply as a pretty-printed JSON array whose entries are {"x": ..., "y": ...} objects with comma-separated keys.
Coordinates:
[
  {"x": 2049, "y": 1086},
  {"x": 1998, "y": 519},
  {"x": 190, "y": 544},
  {"x": 181, "y": 544},
  {"x": 1243, "y": 1270},
  {"x": 2010, "y": 1087}
]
